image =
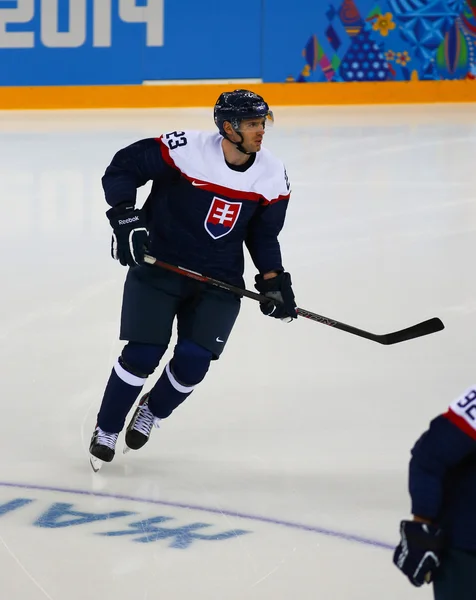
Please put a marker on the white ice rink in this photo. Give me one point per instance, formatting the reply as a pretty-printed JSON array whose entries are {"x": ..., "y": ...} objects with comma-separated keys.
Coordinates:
[{"x": 284, "y": 476}]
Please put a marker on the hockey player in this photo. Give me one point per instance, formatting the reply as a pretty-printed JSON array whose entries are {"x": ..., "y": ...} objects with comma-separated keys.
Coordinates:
[
  {"x": 211, "y": 194},
  {"x": 439, "y": 544}
]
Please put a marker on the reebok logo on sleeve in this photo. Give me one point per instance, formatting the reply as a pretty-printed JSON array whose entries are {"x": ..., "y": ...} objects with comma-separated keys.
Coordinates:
[{"x": 127, "y": 221}]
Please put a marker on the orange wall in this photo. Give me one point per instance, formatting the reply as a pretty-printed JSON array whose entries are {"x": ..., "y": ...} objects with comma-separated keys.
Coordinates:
[{"x": 283, "y": 94}]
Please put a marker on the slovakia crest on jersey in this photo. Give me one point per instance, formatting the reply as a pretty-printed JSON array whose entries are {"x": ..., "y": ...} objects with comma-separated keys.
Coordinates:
[{"x": 221, "y": 217}]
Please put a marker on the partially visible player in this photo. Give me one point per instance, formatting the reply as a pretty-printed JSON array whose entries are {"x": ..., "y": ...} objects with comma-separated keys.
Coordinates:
[
  {"x": 212, "y": 193},
  {"x": 439, "y": 544}
]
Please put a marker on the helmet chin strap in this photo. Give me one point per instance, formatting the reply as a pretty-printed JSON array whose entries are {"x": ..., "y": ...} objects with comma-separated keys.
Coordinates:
[{"x": 239, "y": 145}]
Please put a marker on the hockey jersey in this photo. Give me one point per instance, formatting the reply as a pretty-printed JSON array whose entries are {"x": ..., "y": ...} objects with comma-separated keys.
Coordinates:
[
  {"x": 201, "y": 211},
  {"x": 442, "y": 477}
]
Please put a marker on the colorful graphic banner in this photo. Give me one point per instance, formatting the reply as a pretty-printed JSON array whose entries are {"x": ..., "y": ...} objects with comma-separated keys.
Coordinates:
[
  {"x": 93, "y": 42},
  {"x": 373, "y": 40}
]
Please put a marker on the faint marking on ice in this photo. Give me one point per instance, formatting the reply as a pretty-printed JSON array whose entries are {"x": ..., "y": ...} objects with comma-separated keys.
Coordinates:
[
  {"x": 24, "y": 569},
  {"x": 464, "y": 309},
  {"x": 278, "y": 566},
  {"x": 54, "y": 310},
  {"x": 327, "y": 166}
]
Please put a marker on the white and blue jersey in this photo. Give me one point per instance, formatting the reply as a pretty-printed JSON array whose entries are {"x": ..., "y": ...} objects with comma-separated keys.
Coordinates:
[
  {"x": 442, "y": 478},
  {"x": 201, "y": 210}
]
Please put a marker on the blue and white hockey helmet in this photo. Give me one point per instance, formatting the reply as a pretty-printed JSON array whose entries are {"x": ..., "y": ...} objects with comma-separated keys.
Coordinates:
[{"x": 238, "y": 105}]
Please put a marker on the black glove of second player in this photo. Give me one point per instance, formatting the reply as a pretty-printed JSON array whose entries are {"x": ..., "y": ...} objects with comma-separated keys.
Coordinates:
[
  {"x": 279, "y": 290},
  {"x": 419, "y": 551},
  {"x": 130, "y": 237}
]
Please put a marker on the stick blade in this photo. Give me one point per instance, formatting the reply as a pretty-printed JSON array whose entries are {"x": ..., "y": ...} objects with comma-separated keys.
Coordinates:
[{"x": 415, "y": 331}]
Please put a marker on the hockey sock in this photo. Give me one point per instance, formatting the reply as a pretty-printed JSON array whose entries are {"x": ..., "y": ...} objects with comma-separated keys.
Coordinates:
[
  {"x": 187, "y": 368},
  {"x": 126, "y": 382}
]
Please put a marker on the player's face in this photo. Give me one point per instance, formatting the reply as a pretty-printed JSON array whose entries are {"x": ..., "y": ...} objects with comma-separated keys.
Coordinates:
[{"x": 252, "y": 131}]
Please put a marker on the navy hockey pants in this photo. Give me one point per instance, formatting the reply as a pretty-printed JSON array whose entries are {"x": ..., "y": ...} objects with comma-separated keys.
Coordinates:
[{"x": 456, "y": 579}]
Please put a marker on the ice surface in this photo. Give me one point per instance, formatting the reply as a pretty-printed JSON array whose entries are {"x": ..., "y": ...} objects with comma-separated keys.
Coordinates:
[{"x": 284, "y": 475}]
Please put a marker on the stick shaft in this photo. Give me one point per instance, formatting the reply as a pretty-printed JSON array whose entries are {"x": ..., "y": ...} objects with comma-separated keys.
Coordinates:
[{"x": 418, "y": 330}]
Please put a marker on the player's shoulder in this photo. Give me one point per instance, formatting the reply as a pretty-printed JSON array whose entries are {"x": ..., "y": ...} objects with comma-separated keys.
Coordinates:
[
  {"x": 271, "y": 159},
  {"x": 451, "y": 435},
  {"x": 462, "y": 412},
  {"x": 186, "y": 150},
  {"x": 273, "y": 170},
  {"x": 186, "y": 140}
]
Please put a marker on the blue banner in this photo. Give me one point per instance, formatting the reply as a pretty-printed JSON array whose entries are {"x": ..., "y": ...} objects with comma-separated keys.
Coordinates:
[{"x": 92, "y": 42}]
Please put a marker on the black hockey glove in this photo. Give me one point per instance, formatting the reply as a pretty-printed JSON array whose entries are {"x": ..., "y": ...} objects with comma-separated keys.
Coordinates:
[
  {"x": 419, "y": 551},
  {"x": 130, "y": 236},
  {"x": 281, "y": 304}
]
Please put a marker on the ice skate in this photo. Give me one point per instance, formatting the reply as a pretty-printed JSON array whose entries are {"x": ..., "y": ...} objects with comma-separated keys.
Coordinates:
[
  {"x": 102, "y": 448},
  {"x": 139, "y": 429}
]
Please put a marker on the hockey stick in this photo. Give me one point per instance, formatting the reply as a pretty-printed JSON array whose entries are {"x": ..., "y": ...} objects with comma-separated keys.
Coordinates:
[{"x": 419, "y": 330}]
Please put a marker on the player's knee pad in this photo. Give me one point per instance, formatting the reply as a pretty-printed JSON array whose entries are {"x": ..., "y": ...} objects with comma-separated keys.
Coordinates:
[
  {"x": 141, "y": 360},
  {"x": 190, "y": 363}
]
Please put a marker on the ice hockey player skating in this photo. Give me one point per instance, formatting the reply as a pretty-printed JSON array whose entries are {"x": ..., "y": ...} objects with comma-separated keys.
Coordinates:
[
  {"x": 439, "y": 545},
  {"x": 212, "y": 192}
]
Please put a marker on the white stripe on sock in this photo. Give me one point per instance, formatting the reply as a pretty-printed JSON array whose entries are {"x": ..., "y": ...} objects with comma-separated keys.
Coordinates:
[
  {"x": 184, "y": 389},
  {"x": 128, "y": 377}
]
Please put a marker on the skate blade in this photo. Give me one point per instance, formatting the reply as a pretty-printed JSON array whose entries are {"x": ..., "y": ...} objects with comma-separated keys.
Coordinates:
[
  {"x": 126, "y": 449},
  {"x": 96, "y": 463}
]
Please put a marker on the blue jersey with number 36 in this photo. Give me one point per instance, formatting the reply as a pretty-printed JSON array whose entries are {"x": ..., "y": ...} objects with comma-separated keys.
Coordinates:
[{"x": 443, "y": 472}]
